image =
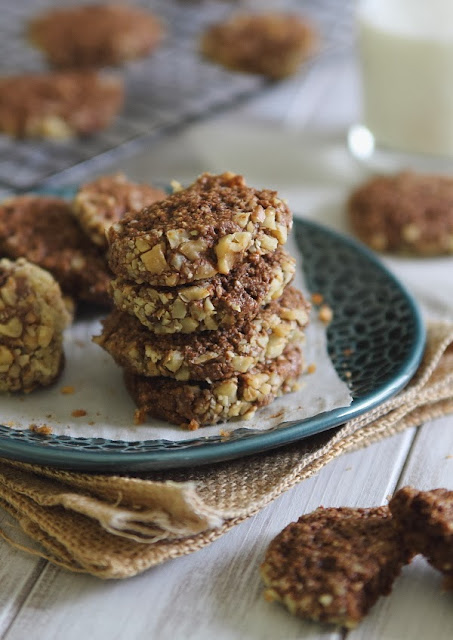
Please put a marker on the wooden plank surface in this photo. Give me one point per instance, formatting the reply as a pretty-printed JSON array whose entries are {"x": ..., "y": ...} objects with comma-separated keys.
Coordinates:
[{"x": 18, "y": 572}]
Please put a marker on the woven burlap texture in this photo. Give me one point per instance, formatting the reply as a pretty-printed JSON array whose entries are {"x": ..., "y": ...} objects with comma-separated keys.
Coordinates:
[{"x": 116, "y": 527}]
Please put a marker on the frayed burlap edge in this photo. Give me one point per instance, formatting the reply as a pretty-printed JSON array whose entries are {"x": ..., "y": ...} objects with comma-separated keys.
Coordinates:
[{"x": 116, "y": 527}]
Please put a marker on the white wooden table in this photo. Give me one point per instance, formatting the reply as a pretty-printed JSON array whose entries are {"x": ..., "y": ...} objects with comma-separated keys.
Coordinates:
[{"x": 293, "y": 138}]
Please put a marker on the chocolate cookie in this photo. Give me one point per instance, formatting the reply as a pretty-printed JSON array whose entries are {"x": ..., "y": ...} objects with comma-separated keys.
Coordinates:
[
  {"x": 195, "y": 404},
  {"x": 95, "y": 35},
  {"x": 426, "y": 522},
  {"x": 209, "y": 355},
  {"x": 222, "y": 301},
  {"x": 58, "y": 105},
  {"x": 211, "y": 227},
  {"x": 32, "y": 318},
  {"x": 44, "y": 230},
  {"x": 407, "y": 212},
  {"x": 101, "y": 203},
  {"x": 270, "y": 44},
  {"x": 333, "y": 564}
]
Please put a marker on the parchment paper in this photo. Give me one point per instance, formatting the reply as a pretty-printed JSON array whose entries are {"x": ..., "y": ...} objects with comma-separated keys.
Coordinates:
[{"x": 98, "y": 390}]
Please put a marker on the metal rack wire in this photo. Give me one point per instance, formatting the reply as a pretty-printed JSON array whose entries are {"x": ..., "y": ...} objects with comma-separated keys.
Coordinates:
[{"x": 170, "y": 88}]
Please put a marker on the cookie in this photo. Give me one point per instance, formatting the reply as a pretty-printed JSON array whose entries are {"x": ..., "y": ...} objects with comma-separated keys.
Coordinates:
[
  {"x": 270, "y": 44},
  {"x": 44, "y": 230},
  {"x": 58, "y": 105},
  {"x": 404, "y": 213},
  {"x": 192, "y": 404},
  {"x": 211, "y": 227},
  {"x": 104, "y": 201},
  {"x": 32, "y": 318},
  {"x": 426, "y": 521},
  {"x": 209, "y": 355},
  {"x": 222, "y": 301},
  {"x": 333, "y": 564},
  {"x": 95, "y": 35}
]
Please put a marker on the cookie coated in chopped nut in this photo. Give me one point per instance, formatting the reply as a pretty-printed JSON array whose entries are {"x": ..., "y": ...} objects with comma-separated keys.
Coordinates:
[
  {"x": 271, "y": 44},
  {"x": 95, "y": 35},
  {"x": 209, "y": 355},
  {"x": 404, "y": 213},
  {"x": 222, "y": 301},
  {"x": 191, "y": 403},
  {"x": 104, "y": 201},
  {"x": 43, "y": 229},
  {"x": 333, "y": 564},
  {"x": 32, "y": 318},
  {"x": 210, "y": 227},
  {"x": 58, "y": 105},
  {"x": 425, "y": 519}
]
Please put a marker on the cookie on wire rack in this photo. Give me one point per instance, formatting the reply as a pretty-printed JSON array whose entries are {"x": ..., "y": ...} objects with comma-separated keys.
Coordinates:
[
  {"x": 59, "y": 105},
  {"x": 95, "y": 35}
]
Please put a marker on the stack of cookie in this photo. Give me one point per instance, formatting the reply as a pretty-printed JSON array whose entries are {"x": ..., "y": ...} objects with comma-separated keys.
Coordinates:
[{"x": 206, "y": 325}]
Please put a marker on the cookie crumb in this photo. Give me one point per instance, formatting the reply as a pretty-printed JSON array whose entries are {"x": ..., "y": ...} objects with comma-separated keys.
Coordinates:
[
  {"x": 325, "y": 314},
  {"x": 139, "y": 416},
  {"x": 317, "y": 298},
  {"x": 193, "y": 425},
  {"x": 67, "y": 390},
  {"x": 78, "y": 413},
  {"x": 42, "y": 430},
  {"x": 311, "y": 368}
]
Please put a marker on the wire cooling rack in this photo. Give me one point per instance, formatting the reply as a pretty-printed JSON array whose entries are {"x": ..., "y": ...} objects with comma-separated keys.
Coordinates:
[{"x": 170, "y": 88}]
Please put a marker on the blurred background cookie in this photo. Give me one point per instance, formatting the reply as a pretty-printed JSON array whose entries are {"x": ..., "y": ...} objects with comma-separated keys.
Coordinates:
[
  {"x": 271, "y": 44},
  {"x": 44, "y": 230},
  {"x": 58, "y": 105},
  {"x": 32, "y": 318},
  {"x": 95, "y": 35},
  {"x": 404, "y": 213},
  {"x": 104, "y": 201}
]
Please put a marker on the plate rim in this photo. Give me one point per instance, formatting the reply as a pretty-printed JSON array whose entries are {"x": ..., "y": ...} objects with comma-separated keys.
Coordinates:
[{"x": 212, "y": 452}]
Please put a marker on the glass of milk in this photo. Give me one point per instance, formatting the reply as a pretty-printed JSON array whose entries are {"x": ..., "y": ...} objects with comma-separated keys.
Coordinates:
[{"x": 406, "y": 59}]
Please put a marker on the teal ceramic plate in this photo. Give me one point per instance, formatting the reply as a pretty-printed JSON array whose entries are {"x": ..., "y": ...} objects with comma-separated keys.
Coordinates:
[{"x": 374, "y": 317}]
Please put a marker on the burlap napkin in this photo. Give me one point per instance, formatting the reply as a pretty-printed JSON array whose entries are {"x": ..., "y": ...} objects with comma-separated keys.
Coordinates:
[{"x": 115, "y": 527}]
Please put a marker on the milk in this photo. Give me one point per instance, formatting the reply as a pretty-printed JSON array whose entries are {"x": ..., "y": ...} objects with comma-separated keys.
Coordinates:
[{"x": 406, "y": 49}]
